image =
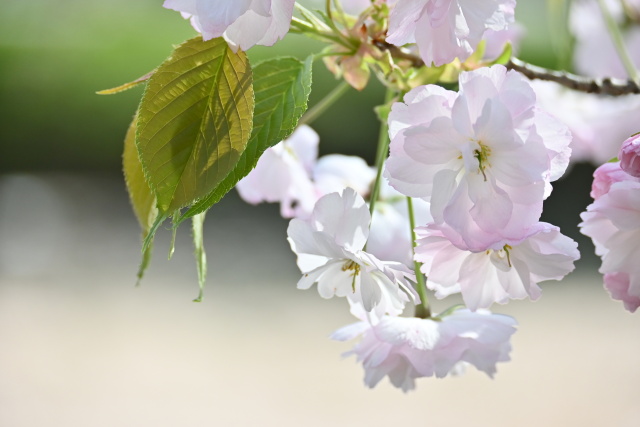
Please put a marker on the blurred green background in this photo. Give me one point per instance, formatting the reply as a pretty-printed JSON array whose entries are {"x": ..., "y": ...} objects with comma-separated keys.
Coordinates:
[{"x": 54, "y": 56}]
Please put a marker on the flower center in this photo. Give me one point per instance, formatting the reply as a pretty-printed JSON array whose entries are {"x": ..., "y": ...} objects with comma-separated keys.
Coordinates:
[
  {"x": 482, "y": 154},
  {"x": 355, "y": 267},
  {"x": 502, "y": 255}
]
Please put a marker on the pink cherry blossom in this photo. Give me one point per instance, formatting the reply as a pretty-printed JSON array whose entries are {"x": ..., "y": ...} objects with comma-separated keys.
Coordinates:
[
  {"x": 408, "y": 348},
  {"x": 508, "y": 270},
  {"x": 483, "y": 157},
  {"x": 243, "y": 23},
  {"x": 618, "y": 286},
  {"x": 446, "y": 29},
  {"x": 629, "y": 156},
  {"x": 605, "y": 176},
  {"x": 613, "y": 223},
  {"x": 589, "y": 118},
  {"x": 329, "y": 249}
]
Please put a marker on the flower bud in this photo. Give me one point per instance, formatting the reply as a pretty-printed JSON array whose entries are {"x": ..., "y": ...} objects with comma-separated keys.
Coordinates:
[
  {"x": 605, "y": 176},
  {"x": 630, "y": 156}
]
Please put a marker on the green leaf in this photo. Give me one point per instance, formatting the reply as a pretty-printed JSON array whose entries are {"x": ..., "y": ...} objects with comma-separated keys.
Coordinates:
[
  {"x": 201, "y": 256},
  {"x": 194, "y": 121},
  {"x": 142, "y": 199},
  {"x": 282, "y": 87}
]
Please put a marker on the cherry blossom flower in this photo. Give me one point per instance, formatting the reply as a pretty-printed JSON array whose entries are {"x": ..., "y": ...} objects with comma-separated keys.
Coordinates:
[
  {"x": 483, "y": 157},
  {"x": 508, "y": 270},
  {"x": 613, "y": 223},
  {"x": 408, "y": 348},
  {"x": 329, "y": 249},
  {"x": 618, "y": 285},
  {"x": 243, "y": 23},
  {"x": 497, "y": 40},
  {"x": 605, "y": 176},
  {"x": 291, "y": 174},
  {"x": 335, "y": 172},
  {"x": 390, "y": 235},
  {"x": 444, "y": 30},
  {"x": 589, "y": 119},
  {"x": 283, "y": 174},
  {"x": 630, "y": 156}
]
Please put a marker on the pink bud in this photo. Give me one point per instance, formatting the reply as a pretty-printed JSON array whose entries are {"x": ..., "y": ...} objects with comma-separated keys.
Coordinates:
[
  {"x": 630, "y": 156},
  {"x": 605, "y": 176}
]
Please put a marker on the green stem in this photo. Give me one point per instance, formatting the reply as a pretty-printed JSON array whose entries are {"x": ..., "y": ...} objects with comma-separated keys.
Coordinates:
[
  {"x": 616, "y": 36},
  {"x": 381, "y": 155},
  {"x": 327, "y": 6},
  {"x": 423, "y": 310},
  {"x": 326, "y": 102},
  {"x": 302, "y": 25},
  {"x": 315, "y": 22},
  {"x": 315, "y": 28}
]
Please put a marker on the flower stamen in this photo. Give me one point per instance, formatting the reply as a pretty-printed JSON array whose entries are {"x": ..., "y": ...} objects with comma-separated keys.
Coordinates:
[
  {"x": 355, "y": 267},
  {"x": 482, "y": 155}
]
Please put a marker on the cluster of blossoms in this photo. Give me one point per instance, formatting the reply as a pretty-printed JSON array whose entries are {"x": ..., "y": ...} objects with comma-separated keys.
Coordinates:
[
  {"x": 484, "y": 158},
  {"x": 469, "y": 168},
  {"x": 481, "y": 162}
]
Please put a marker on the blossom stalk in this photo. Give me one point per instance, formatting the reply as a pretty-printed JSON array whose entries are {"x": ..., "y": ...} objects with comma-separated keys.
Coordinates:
[
  {"x": 422, "y": 310},
  {"x": 317, "y": 110},
  {"x": 381, "y": 154}
]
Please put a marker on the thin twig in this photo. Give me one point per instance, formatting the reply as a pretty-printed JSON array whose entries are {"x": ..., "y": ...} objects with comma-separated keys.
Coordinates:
[{"x": 604, "y": 86}]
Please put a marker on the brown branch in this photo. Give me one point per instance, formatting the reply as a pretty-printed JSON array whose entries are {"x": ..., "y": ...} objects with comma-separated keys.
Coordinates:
[{"x": 605, "y": 86}]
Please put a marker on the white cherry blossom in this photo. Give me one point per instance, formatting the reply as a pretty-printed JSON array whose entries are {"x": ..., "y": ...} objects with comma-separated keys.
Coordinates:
[
  {"x": 390, "y": 236},
  {"x": 243, "y": 23},
  {"x": 291, "y": 174},
  {"x": 283, "y": 174},
  {"x": 329, "y": 246},
  {"x": 408, "y": 348}
]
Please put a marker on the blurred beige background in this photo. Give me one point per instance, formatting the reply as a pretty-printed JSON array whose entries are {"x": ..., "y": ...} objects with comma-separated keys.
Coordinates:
[{"x": 82, "y": 346}]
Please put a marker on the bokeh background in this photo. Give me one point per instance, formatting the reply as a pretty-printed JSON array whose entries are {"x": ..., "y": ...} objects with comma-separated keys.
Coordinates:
[{"x": 80, "y": 345}]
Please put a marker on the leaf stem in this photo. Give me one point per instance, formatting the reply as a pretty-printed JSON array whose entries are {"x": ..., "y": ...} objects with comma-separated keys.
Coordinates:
[
  {"x": 318, "y": 109},
  {"x": 423, "y": 310},
  {"x": 616, "y": 36}
]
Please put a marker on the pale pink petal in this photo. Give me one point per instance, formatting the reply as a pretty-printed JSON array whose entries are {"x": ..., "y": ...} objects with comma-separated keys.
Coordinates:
[
  {"x": 408, "y": 348},
  {"x": 618, "y": 286},
  {"x": 335, "y": 172},
  {"x": 344, "y": 217}
]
